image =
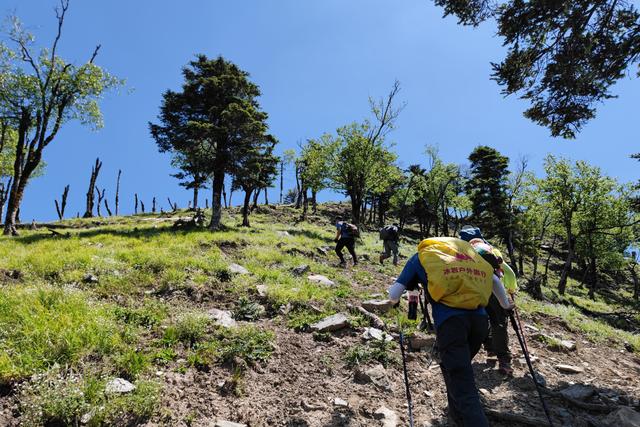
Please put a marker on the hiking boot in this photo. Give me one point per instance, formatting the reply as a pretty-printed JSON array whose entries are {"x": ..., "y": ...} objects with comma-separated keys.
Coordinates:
[
  {"x": 342, "y": 264},
  {"x": 381, "y": 259},
  {"x": 492, "y": 360},
  {"x": 355, "y": 261},
  {"x": 505, "y": 368}
]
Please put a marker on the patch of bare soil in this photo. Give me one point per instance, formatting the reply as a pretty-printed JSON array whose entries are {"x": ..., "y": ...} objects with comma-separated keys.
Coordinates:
[{"x": 300, "y": 384}]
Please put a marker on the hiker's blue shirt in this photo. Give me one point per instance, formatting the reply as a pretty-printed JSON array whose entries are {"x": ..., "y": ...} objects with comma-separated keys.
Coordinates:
[{"x": 412, "y": 274}]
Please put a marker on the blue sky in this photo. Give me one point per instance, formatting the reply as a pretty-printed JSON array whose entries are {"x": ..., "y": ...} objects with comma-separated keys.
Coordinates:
[{"x": 317, "y": 62}]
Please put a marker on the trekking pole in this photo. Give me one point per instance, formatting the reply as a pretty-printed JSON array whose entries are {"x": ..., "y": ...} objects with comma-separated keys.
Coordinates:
[
  {"x": 426, "y": 319},
  {"x": 533, "y": 374},
  {"x": 524, "y": 338},
  {"x": 406, "y": 379}
]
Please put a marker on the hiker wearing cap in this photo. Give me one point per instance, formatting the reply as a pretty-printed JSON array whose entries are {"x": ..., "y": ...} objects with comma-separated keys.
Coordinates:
[
  {"x": 459, "y": 282},
  {"x": 346, "y": 234},
  {"x": 389, "y": 234},
  {"x": 497, "y": 342}
]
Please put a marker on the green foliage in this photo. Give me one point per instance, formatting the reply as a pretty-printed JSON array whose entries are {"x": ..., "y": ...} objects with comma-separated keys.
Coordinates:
[
  {"x": 41, "y": 327},
  {"x": 189, "y": 329},
  {"x": 63, "y": 398},
  {"x": 563, "y": 57},
  {"x": 487, "y": 190},
  {"x": 247, "y": 343},
  {"x": 375, "y": 350}
]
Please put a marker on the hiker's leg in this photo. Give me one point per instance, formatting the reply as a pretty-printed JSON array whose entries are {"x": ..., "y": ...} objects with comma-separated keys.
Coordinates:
[
  {"x": 457, "y": 347},
  {"x": 500, "y": 336},
  {"x": 488, "y": 342},
  {"x": 386, "y": 250},
  {"x": 394, "y": 250},
  {"x": 351, "y": 247},
  {"x": 339, "y": 246}
]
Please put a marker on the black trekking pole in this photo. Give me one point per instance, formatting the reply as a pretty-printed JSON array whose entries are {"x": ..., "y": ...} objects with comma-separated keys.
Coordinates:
[
  {"x": 406, "y": 379},
  {"x": 426, "y": 319},
  {"x": 533, "y": 374}
]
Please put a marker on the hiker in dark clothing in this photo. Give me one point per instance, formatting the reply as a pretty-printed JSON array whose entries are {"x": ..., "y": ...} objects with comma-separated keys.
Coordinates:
[
  {"x": 346, "y": 237},
  {"x": 389, "y": 235}
]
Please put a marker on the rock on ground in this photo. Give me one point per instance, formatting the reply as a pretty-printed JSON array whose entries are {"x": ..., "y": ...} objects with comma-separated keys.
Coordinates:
[
  {"x": 376, "y": 334},
  {"x": 376, "y": 375},
  {"x": 340, "y": 402},
  {"x": 578, "y": 391},
  {"x": 119, "y": 385},
  {"x": 222, "y": 318},
  {"x": 223, "y": 423},
  {"x": 331, "y": 323},
  {"x": 569, "y": 369},
  {"x": 418, "y": 341},
  {"x": 387, "y": 416},
  {"x": 319, "y": 278},
  {"x": 300, "y": 270},
  {"x": 238, "y": 269},
  {"x": 623, "y": 417},
  {"x": 262, "y": 290},
  {"x": 380, "y": 306}
]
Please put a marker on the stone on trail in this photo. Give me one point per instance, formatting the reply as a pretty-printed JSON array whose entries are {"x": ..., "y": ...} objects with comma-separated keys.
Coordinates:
[
  {"x": 119, "y": 385},
  {"x": 319, "y": 278},
  {"x": 419, "y": 340},
  {"x": 222, "y": 318},
  {"x": 387, "y": 416},
  {"x": 90, "y": 278},
  {"x": 238, "y": 269},
  {"x": 578, "y": 391},
  {"x": 223, "y": 423},
  {"x": 340, "y": 403},
  {"x": 380, "y": 306},
  {"x": 569, "y": 369},
  {"x": 568, "y": 345},
  {"x": 323, "y": 250},
  {"x": 262, "y": 290},
  {"x": 300, "y": 270},
  {"x": 376, "y": 375},
  {"x": 331, "y": 323},
  {"x": 376, "y": 334},
  {"x": 283, "y": 234},
  {"x": 623, "y": 417}
]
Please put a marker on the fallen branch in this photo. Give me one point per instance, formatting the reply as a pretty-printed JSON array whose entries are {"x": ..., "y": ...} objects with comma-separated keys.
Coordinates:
[
  {"x": 375, "y": 320},
  {"x": 510, "y": 418},
  {"x": 58, "y": 234}
]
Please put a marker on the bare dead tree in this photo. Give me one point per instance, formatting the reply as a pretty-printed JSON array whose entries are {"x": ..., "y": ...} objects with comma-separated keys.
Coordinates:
[
  {"x": 153, "y": 205},
  {"x": 173, "y": 206},
  {"x": 135, "y": 209},
  {"x": 266, "y": 197},
  {"x": 95, "y": 170},
  {"x": 224, "y": 196},
  {"x": 142, "y": 206},
  {"x": 206, "y": 202},
  {"x": 100, "y": 196},
  {"x": 189, "y": 205},
  {"x": 118, "y": 193},
  {"x": 106, "y": 206},
  {"x": 63, "y": 203}
]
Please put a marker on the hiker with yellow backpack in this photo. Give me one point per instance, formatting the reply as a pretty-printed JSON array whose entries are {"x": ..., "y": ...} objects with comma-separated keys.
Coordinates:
[
  {"x": 497, "y": 342},
  {"x": 459, "y": 282}
]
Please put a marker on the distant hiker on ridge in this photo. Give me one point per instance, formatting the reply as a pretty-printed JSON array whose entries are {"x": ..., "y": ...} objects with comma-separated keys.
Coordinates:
[
  {"x": 346, "y": 237},
  {"x": 459, "y": 281},
  {"x": 389, "y": 234}
]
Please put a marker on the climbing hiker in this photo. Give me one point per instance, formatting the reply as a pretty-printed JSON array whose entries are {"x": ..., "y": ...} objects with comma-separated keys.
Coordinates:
[
  {"x": 459, "y": 282},
  {"x": 497, "y": 343},
  {"x": 389, "y": 235},
  {"x": 346, "y": 234}
]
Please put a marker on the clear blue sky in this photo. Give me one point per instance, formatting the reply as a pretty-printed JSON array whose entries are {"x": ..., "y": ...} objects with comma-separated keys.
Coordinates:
[{"x": 316, "y": 62}]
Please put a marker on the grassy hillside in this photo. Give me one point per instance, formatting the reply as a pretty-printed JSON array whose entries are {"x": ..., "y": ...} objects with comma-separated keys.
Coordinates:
[{"x": 134, "y": 298}]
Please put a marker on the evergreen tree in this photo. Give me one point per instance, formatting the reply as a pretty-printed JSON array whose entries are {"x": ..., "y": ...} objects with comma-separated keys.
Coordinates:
[{"x": 487, "y": 190}]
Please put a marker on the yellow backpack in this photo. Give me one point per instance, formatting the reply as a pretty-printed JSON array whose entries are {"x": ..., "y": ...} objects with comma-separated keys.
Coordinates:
[{"x": 458, "y": 277}]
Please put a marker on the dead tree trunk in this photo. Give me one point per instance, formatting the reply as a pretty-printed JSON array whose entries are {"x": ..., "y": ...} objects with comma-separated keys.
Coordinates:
[
  {"x": 106, "y": 206},
  {"x": 255, "y": 199},
  {"x": 118, "y": 193},
  {"x": 142, "y": 206},
  {"x": 173, "y": 206},
  {"x": 266, "y": 197},
  {"x": 100, "y": 198},
  {"x": 206, "y": 203},
  {"x": 95, "y": 170},
  {"x": 245, "y": 208},
  {"x": 153, "y": 205},
  {"x": 59, "y": 207},
  {"x": 224, "y": 197},
  {"x": 135, "y": 209}
]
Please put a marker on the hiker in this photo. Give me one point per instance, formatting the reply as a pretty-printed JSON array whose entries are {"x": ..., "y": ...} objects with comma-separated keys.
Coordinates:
[
  {"x": 389, "y": 235},
  {"x": 460, "y": 283},
  {"x": 497, "y": 343},
  {"x": 346, "y": 234}
]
